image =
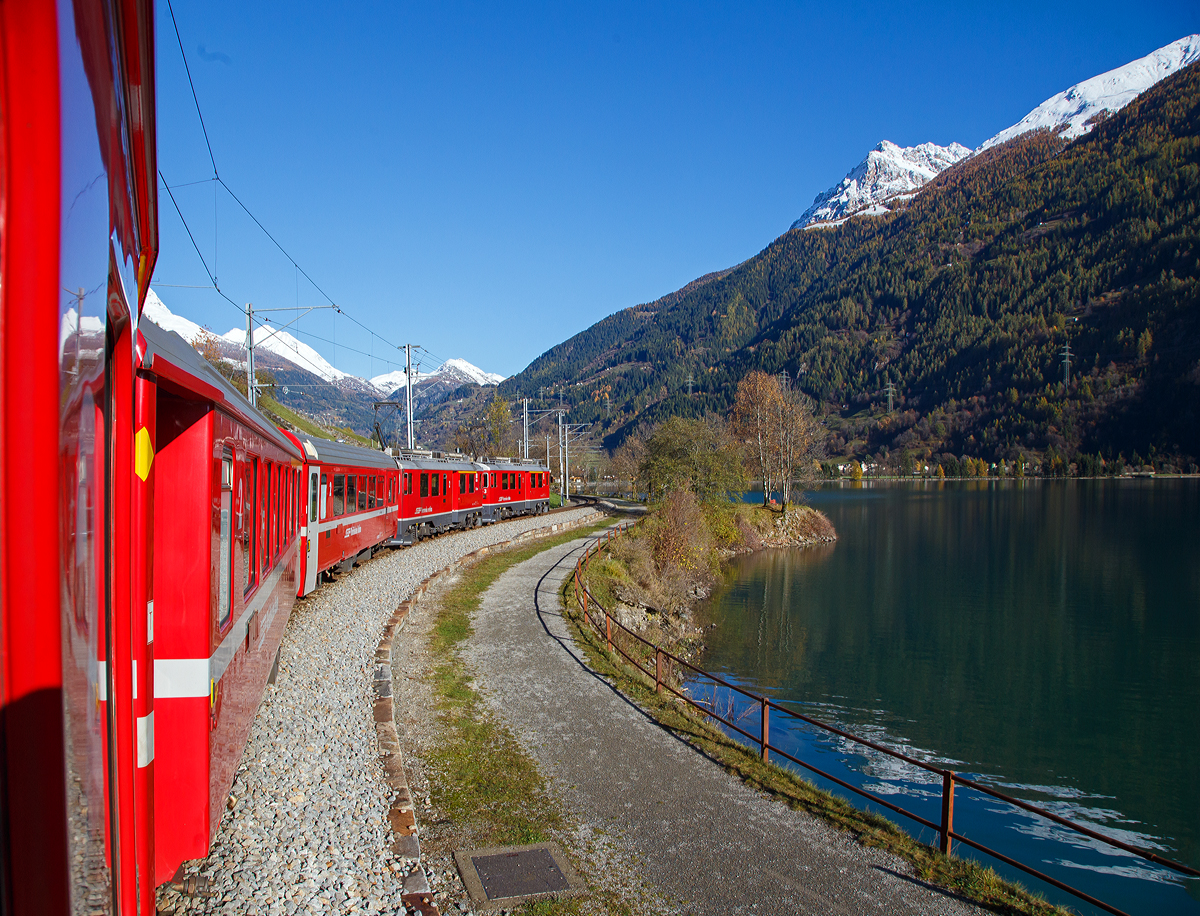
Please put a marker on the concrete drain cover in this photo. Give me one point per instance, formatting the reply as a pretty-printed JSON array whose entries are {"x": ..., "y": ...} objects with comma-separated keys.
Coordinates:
[{"x": 507, "y": 874}]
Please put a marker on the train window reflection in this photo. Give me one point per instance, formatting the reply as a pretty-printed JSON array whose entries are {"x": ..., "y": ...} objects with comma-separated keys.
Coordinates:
[{"x": 339, "y": 494}]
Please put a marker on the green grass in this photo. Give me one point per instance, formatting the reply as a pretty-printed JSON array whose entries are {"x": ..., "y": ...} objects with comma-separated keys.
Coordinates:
[
  {"x": 291, "y": 417},
  {"x": 482, "y": 778},
  {"x": 962, "y": 876}
]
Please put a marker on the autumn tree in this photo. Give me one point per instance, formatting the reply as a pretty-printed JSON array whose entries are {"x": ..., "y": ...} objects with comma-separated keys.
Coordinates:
[
  {"x": 754, "y": 411},
  {"x": 780, "y": 434}
]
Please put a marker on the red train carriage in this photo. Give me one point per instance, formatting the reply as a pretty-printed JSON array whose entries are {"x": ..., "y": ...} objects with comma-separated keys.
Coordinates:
[
  {"x": 514, "y": 487},
  {"x": 226, "y": 558},
  {"x": 437, "y": 493},
  {"x": 78, "y": 242},
  {"x": 351, "y": 505}
]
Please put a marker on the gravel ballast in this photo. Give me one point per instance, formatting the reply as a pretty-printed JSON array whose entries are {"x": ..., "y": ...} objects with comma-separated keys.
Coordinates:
[{"x": 307, "y": 830}]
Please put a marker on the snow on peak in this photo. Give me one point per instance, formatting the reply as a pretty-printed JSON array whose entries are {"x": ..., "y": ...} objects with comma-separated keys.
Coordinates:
[
  {"x": 157, "y": 312},
  {"x": 458, "y": 370},
  {"x": 1073, "y": 109},
  {"x": 888, "y": 171},
  {"x": 283, "y": 344},
  {"x": 474, "y": 373}
]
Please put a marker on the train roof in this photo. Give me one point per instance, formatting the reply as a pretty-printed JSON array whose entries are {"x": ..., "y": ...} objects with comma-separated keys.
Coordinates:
[
  {"x": 182, "y": 371},
  {"x": 330, "y": 452}
]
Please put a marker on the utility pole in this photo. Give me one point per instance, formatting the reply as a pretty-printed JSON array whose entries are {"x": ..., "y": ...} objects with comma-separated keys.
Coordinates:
[
  {"x": 408, "y": 382},
  {"x": 690, "y": 382},
  {"x": 891, "y": 393},
  {"x": 251, "y": 383},
  {"x": 525, "y": 436},
  {"x": 784, "y": 381},
  {"x": 562, "y": 478},
  {"x": 1066, "y": 354}
]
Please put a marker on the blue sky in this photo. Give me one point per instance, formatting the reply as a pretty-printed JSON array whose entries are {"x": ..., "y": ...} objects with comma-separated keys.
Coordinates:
[{"x": 488, "y": 179}]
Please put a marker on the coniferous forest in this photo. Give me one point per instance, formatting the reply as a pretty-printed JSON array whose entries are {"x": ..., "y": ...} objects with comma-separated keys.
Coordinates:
[{"x": 965, "y": 301}]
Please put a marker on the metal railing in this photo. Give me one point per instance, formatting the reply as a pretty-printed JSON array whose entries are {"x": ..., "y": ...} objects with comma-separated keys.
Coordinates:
[{"x": 947, "y": 836}]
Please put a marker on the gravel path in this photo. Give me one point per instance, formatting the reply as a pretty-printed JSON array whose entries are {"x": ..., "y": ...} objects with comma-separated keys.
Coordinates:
[
  {"x": 701, "y": 835},
  {"x": 307, "y": 831}
]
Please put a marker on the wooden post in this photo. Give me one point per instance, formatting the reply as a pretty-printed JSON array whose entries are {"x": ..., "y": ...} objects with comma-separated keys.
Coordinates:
[
  {"x": 947, "y": 812},
  {"x": 766, "y": 726},
  {"x": 657, "y": 670}
]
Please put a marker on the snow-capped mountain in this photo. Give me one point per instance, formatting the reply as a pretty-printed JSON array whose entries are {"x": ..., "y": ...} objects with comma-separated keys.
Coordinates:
[
  {"x": 458, "y": 371},
  {"x": 157, "y": 311},
  {"x": 1073, "y": 109},
  {"x": 894, "y": 173},
  {"x": 283, "y": 344},
  {"x": 888, "y": 172}
]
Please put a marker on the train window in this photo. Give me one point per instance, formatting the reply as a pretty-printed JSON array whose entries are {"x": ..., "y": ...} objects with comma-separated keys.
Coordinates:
[
  {"x": 264, "y": 520},
  {"x": 252, "y": 526},
  {"x": 504, "y": 481},
  {"x": 351, "y": 492},
  {"x": 462, "y": 483},
  {"x": 470, "y": 483},
  {"x": 445, "y": 485},
  {"x": 339, "y": 494},
  {"x": 362, "y": 492},
  {"x": 493, "y": 478},
  {"x": 370, "y": 492},
  {"x": 424, "y": 484},
  {"x": 435, "y": 485},
  {"x": 225, "y": 561}
]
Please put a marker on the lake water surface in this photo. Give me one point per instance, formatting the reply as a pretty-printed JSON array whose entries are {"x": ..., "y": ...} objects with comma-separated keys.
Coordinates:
[{"x": 1041, "y": 636}]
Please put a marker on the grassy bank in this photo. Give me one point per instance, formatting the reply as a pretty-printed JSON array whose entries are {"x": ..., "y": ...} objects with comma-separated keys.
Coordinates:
[
  {"x": 486, "y": 783},
  {"x": 972, "y": 880}
]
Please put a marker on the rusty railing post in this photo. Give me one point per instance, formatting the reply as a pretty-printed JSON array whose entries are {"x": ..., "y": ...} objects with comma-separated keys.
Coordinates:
[
  {"x": 766, "y": 727},
  {"x": 947, "y": 812},
  {"x": 586, "y": 618},
  {"x": 657, "y": 670},
  {"x": 608, "y": 630}
]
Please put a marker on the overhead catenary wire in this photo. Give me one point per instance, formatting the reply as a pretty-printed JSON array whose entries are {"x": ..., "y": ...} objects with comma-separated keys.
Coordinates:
[{"x": 218, "y": 179}]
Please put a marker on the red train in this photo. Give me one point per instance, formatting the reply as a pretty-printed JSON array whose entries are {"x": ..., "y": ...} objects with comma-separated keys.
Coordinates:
[{"x": 173, "y": 525}]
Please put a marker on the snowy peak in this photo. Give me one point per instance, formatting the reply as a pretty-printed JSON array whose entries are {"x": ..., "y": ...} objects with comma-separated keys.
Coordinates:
[
  {"x": 284, "y": 345},
  {"x": 457, "y": 371},
  {"x": 157, "y": 312},
  {"x": 1074, "y": 110},
  {"x": 889, "y": 171}
]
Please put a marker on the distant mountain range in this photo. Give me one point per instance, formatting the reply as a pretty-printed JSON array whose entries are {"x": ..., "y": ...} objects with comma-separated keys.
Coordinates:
[
  {"x": 891, "y": 174},
  {"x": 308, "y": 383},
  {"x": 963, "y": 294}
]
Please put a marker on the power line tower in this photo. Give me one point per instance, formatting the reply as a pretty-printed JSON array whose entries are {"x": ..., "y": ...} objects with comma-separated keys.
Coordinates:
[
  {"x": 785, "y": 383},
  {"x": 891, "y": 394},
  {"x": 1066, "y": 355},
  {"x": 690, "y": 381}
]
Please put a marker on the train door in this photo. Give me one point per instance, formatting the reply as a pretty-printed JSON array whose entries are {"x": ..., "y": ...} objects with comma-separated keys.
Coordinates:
[{"x": 315, "y": 497}]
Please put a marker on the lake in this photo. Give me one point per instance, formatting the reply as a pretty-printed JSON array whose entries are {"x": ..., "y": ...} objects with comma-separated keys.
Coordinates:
[{"x": 1040, "y": 636}]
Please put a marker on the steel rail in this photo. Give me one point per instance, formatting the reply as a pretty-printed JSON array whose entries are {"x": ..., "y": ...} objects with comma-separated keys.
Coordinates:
[{"x": 950, "y": 779}]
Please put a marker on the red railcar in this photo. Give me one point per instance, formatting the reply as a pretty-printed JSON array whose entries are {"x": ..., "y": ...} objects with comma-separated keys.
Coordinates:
[
  {"x": 226, "y": 561},
  {"x": 77, "y": 248},
  {"x": 437, "y": 493},
  {"x": 351, "y": 505},
  {"x": 514, "y": 487}
]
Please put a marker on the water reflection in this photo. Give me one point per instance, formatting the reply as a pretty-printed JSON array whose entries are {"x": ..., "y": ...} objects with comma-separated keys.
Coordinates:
[{"x": 1044, "y": 635}]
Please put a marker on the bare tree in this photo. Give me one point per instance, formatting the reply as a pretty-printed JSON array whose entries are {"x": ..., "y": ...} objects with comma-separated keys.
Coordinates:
[
  {"x": 780, "y": 433},
  {"x": 798, "y": 438},
  {"x": 755, "y": 413}
]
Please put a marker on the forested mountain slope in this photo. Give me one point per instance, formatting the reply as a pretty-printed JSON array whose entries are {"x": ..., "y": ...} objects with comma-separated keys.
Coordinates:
[{"x": 964, "y": 300}]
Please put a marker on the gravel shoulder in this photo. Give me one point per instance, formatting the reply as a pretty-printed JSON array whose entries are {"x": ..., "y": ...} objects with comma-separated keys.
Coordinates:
[
  {"x": 306, "y": 830},
  {"x": 700, "y": 836}
]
